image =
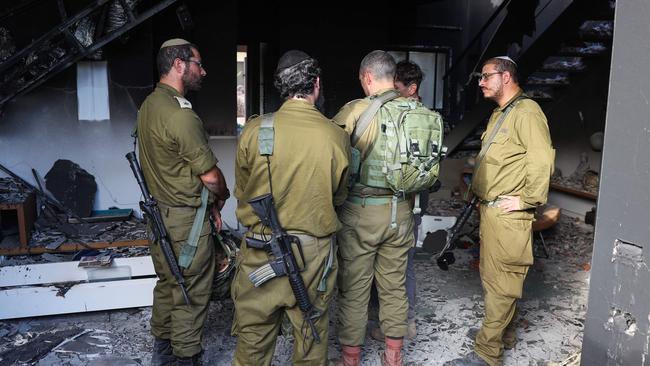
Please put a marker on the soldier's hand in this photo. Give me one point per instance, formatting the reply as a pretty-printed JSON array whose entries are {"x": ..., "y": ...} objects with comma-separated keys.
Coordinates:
[{"x": 509, "y": 203}]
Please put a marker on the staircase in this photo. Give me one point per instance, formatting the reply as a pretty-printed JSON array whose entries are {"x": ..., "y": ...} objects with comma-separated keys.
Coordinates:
[
  {"x": 549, "y": 67},
  {"x": 571, "y": 60},
  {"x": 76, "y": 37}
]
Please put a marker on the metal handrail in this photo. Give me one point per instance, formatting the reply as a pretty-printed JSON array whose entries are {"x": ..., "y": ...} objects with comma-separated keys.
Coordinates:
[{"x": 478, "y": 35}]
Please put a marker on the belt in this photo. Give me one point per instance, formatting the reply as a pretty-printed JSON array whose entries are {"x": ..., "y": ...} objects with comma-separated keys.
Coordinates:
[
  {"x": 373, "y": 201},
  {"x": 493, "y": 203},
  {"x": 253, "y": 235},
  {"x": 179, "y": 209},
  {"x": 370, "y": 191}
]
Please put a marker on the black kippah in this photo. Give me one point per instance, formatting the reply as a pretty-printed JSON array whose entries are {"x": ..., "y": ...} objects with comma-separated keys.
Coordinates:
[{"x": 291, "y": 58}]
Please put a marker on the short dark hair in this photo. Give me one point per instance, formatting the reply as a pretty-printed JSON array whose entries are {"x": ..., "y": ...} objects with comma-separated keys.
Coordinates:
[
  {"x": 502, "y": 65},
  {"x": 298, "y": 80},
  {"x": 167, "y": 55},
  {"x": 408, "y": 72}
]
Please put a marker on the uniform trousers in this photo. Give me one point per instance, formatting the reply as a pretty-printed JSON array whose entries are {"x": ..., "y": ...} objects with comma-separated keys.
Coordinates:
[
  {"x": 171, "y": 318},
  {"x": 370, "y": 249},
  {"x": 259, "y": 310},
  {"x": 506, "y": 255}
]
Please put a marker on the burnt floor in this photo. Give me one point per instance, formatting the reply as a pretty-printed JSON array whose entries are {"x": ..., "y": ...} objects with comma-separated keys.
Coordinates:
[{"x": 450, "y": 306}]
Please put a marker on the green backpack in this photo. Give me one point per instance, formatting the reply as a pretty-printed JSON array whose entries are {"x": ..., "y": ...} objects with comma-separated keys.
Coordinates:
[{"x": 405, "y": 155}]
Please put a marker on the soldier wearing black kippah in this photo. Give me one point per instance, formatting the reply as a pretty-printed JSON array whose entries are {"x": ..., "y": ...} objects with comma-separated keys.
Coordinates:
[{"x": 306, "y": 172}]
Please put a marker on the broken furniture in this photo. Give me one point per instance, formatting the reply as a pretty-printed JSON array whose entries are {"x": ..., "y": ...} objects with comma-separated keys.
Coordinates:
[
  {"x": 72, "y": 186},
  {"x": 24, "y": 208},
  {"x": 64, "y": 287}
]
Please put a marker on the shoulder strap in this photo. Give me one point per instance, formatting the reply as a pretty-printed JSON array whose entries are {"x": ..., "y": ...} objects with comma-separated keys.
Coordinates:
[
  {"x": 368, "y": 114},
  {"x": 266, "y": 135},
  {"x": 495, "y": 130}
]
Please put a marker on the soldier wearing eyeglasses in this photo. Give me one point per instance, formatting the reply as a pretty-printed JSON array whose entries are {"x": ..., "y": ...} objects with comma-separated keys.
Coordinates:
[
  {"x": 182, "y": 175},
  {"x": 512, "y": 179}
]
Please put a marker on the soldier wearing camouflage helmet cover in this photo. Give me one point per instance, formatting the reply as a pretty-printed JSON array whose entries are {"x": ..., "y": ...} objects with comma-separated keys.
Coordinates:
[{"x": 182, "y": 175}]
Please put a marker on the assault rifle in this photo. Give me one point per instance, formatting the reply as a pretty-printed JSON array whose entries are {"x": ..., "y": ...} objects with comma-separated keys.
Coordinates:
[
  {"x": 445, "y": 258},
  {"x": 151, "y": 210},
  {"x": 284, "y": 262},
  {"x": 44, "y": 197}
]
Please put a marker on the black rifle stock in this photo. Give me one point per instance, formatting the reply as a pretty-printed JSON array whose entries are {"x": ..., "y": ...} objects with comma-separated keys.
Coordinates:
[
  {"x": 284, "y": 262},
  {"x": 150, "y": 208},
  {"x": 443, "y": 259},
  {"x": 41, "y": 193}
]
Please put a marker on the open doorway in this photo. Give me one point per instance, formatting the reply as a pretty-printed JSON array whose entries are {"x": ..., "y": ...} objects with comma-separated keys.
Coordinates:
[{"x": 241, "y": 87}]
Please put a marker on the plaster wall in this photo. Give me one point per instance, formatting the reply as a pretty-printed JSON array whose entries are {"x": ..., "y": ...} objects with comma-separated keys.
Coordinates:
[{"x": 42, "y": 127}]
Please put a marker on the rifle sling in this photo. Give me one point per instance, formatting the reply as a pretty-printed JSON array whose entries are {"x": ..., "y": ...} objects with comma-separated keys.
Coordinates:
[{"x": 189, "y": 248}]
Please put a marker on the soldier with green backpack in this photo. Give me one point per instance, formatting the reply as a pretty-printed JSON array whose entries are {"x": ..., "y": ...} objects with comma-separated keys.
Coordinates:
[{"x": 397, "y": 145}]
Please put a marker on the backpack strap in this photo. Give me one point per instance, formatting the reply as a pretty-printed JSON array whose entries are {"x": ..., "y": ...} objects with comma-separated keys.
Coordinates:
[
  {"x": 369, "y": 114},
  {"x": 266, "y": 135}
]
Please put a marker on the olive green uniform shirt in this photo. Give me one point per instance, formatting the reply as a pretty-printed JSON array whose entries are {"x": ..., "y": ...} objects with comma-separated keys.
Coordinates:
[
  {"x": 173, "y": 148},
  {"x": 520, "y": 160},
  {"x": 309, "y": 167}
]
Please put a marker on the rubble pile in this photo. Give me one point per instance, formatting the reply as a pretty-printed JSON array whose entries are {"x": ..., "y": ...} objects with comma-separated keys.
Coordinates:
[{"x": 12, "y": 192}]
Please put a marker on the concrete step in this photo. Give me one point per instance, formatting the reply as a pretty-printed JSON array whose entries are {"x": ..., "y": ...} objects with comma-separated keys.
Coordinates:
[
  {"x": 549, "y": 78},
  {"x": 564, "y": 63},
  {"x": 540, "y": 93},
  {"x": 583, "y": 49},
  {"x": 597, "y": 29}
]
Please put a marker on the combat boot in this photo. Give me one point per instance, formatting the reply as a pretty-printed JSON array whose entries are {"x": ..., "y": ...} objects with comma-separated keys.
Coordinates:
[
  {"x": 189, "y": 361},
  {"x": 472, "y": 359},
  {"x": 162, "y": 353},
  {"x": 393, "y": 352},
  {"x": 350, "y": 356}
]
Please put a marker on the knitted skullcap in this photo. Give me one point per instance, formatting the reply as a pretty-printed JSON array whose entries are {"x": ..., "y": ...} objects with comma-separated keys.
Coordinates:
[
  {"x": 174, "y": 42},
  {"x": 507, "y": 59}
]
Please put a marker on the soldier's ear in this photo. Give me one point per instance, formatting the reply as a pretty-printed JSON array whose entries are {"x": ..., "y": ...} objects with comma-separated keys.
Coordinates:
[
  {"x": 412, "y": 89},
  {"x": 507, "y": 77},
  {"x": 179, "y": 65}
]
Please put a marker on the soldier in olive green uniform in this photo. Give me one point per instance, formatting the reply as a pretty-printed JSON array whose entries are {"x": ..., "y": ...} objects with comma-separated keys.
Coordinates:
[
  {"x": 308, "y": 178},
  {"x": 369, "y": 248},
  {"x": 512, "y": 179},
  {"x": 177, "y": 164}
]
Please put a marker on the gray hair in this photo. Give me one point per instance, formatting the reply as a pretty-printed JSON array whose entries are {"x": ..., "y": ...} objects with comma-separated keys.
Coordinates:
[{"x": 379, "y": 64}]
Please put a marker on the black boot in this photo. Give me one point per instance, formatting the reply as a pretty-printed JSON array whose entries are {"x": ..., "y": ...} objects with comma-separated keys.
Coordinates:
[
  {"x": 189, "y": 361},
  {"x": 162, "y": 353}
]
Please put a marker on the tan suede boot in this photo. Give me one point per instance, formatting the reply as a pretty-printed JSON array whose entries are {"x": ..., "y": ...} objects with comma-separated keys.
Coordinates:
[
  {"x": 350, "y": 356},
  {"x": 393, "y": 352}
]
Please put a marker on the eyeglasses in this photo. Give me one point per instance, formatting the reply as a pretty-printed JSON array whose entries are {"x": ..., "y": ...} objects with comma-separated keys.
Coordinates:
[
  {"x": 196, "y": 62},
  {"x": 486, "y": 75}
]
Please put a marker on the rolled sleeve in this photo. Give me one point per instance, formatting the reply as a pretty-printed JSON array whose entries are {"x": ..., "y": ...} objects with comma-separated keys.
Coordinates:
[{"x": 192, "y": 142}]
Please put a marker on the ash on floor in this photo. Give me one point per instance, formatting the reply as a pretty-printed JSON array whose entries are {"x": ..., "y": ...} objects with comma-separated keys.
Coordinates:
[{"x": 449, "y": 308}]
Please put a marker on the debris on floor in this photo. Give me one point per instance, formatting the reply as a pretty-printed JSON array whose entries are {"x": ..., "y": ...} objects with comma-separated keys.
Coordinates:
[{"x": 449, "y": 311}]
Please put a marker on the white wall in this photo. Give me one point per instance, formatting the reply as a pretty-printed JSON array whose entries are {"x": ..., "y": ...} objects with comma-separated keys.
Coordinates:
[{"x": 42, "y": 127}]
